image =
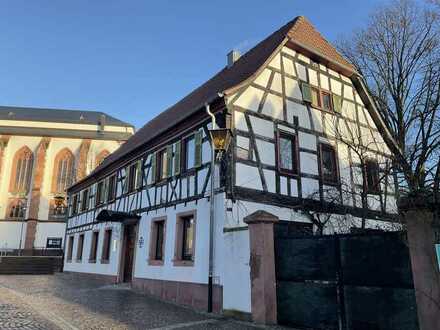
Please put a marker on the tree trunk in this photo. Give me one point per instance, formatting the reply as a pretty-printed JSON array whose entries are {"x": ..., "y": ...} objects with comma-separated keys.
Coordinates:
[{"x": 424, "y": 266}]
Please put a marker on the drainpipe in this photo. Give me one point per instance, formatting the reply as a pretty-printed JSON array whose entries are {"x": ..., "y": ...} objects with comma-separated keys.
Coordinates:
[{"x": 211, "y": 216}]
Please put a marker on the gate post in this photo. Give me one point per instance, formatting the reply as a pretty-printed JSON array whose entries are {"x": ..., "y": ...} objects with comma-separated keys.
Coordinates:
[{"x": 262, "y": 264}]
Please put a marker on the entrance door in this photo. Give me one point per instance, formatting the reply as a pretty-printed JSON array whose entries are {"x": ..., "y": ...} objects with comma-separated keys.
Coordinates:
[{"x": 130, "y": 244}]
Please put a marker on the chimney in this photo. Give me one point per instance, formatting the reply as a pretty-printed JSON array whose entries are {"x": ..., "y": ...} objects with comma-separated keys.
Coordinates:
[
  {"x": 233, "y": 57},
  {"x": 101, "y": 123}
]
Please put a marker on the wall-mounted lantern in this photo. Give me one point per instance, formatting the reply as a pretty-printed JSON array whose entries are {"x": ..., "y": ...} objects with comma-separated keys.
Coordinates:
[{"x": 221, "y": 138}]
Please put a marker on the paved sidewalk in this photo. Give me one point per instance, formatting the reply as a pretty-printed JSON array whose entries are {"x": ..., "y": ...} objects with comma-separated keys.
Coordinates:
[{"x": 60, "y": 301}]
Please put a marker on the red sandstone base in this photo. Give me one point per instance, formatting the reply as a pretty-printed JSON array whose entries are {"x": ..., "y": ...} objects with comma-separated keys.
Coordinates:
[{"x": 194, "y": 295}]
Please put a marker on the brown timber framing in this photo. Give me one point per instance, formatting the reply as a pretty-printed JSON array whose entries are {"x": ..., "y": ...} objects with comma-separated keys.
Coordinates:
[
  {"x": 201, "y": 117},
  {"x": 197, "y": 119},
  {"x": 318, "y": 135},
  {"x": 166, "y": 189}
]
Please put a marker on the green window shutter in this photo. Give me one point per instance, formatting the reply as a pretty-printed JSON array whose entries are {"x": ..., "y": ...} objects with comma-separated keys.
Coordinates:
[
  {"x": 198, "y": 149},
  {"x": 169, "y": 161},
  {"x": 127, "y": 175},
  {"x": 337, "y": 103},
  {"x": 139, "y": 174},
  {"x": 177, "y": 152},
  {"x": 153, "y": 168},
  {"x": 306, "y": 92}
]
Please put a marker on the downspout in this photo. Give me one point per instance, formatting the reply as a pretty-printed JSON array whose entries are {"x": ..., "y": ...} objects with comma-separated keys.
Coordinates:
[{"x": 211, "y": 215}]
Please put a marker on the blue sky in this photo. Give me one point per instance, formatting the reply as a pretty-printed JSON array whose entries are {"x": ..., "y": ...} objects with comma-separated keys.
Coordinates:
[{"x": 133, "y": 59}]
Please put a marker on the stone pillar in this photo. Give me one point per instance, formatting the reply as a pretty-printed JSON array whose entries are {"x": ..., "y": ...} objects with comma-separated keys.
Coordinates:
[
  {"x": 81, "y": 169},
  {"x": 34, "y": 204},
  {"x": 262, "y": 264},
  {"x": 418, "y": 216}
]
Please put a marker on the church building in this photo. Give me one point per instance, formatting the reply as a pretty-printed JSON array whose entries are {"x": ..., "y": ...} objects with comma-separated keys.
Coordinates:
[{"x": 42, "y": 152}]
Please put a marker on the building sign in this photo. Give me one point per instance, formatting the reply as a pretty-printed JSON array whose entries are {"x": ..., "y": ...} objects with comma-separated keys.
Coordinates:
[
  {"x": 54, "y": 243},
  {"x": 141, "y": 242}
]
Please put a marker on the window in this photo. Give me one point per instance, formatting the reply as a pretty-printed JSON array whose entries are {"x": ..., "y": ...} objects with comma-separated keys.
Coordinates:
[
  {"x": 17, "y": 209},
  {"x": 162, "y": 164},
  {"x": 134, "y": 176},
  {"x": 100, "y": 157},
  {"x": 287, "y": 153},
  {"x": 70, "y": 249},
  {"x": 329, "y": 168},
  {"x": 79, "y": 249},
  {"x": 56, "y": 212},
  {"x": 188, "y": 237},
  {"x": 131, "y": 177},
  {"x": 106, "y": 247},
  {"x": 99, "y": 196},
  {"x": 85, "y": 200},
  {"x": 22, "y": 171},
  {"x": 326, "y": 101},
  {"x": 316, "y": 98},
  {"x": 111, "y": 193},
  {"x": 372, "y": 176},
  {"x": 94, "y": 246},
  {"x": 157, "y": 241},
  {"x": 185, "y": 239},
  {"x": 189, "y": 153},
  {"x": 64, "y": 172},
  {"x": 75, "y": 204}
]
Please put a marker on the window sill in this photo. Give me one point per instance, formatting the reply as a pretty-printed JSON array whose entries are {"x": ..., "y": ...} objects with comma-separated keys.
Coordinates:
[
  {"x": 183, "y": 263},
  {"x": 154, "y": 262},
  {"x": 105, "y": 261},
  {"x": 288, "y": 173},
  {"x": 92, "y": 261}
]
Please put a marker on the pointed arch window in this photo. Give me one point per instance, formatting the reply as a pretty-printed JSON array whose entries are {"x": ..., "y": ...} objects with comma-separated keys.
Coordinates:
[
  {"x": 16, "y": 209},
  {"x": 64, "y": 172},
  {"x": 22, "y": 171},
  {"x": 101, "y": 156}
]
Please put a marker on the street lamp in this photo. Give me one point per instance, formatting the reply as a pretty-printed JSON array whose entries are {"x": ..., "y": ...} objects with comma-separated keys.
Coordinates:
[{"x": 221, "y": 138}]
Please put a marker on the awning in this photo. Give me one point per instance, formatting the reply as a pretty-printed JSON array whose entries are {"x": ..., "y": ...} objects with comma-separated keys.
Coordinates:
[{"x": 117, "y": 216}]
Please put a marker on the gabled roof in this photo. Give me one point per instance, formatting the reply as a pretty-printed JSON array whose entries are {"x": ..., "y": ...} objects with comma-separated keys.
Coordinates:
[
  {"x": 58, "y": 116},
  {"x": 299, "y": 29},
  {"x": 304, "y": 34}
]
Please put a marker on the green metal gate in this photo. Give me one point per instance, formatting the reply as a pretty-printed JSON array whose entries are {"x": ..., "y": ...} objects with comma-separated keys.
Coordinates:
[{"x": 355, "y": 281}]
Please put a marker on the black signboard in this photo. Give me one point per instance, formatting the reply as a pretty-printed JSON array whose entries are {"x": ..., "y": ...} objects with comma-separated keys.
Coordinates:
[{"x": 54, "y": 243}]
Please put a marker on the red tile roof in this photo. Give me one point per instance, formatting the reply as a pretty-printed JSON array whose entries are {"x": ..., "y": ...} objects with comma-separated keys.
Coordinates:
[
  {"x": 304, "y": 33},
  {"x": 228, "y": 78}
]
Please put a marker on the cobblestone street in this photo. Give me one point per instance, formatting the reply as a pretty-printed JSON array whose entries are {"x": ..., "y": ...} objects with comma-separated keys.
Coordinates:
[{"x": 62, "y": 302}]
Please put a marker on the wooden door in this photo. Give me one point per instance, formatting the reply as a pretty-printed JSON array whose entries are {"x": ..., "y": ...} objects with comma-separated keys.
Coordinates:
[{"x": 130, "y": 244}]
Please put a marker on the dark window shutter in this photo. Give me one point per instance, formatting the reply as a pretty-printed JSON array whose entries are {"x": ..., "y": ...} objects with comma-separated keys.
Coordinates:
[
  {"x": 337, "y": 103},
  {"x": 139, "y": 173},
  {"x": 153, "y": 168},
  {"x": 177, "y": 153},
  {"x": 198, "y": 149},
  {"x": 306, "y": 92},
  {"x": 127, "y": 179},
  {"x": 169, "y": 161}
]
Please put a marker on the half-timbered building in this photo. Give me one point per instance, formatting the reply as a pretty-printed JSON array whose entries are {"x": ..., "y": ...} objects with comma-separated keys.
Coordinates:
[{"x": 306, "y": 141}]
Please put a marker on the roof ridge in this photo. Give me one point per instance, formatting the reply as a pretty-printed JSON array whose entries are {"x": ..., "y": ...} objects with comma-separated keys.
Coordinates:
[{"x": 226, "y": 79}]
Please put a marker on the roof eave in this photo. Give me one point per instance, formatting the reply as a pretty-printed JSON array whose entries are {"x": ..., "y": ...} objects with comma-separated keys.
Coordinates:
[{"x": 375, "y": 115}]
